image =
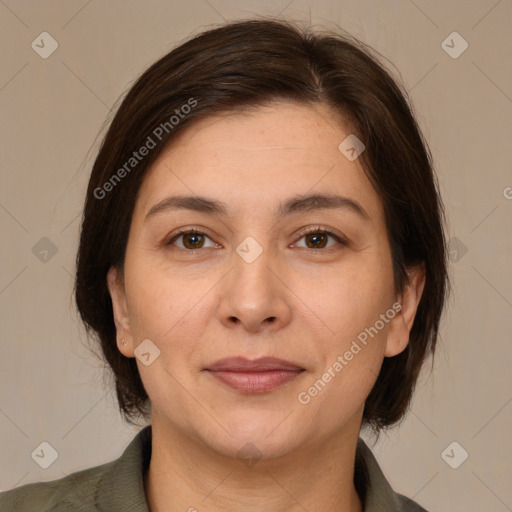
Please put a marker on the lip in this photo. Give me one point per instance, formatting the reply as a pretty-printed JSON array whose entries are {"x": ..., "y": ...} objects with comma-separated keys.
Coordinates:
[
  {"x": 256, "y": 376},
  {"x": 262, "y": 364}
]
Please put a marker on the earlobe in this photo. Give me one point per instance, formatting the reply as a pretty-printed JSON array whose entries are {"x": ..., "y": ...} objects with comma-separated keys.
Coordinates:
[{"x": 401, "y": 325}]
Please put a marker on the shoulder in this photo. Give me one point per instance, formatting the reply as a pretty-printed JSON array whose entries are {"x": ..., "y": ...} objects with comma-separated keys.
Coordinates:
[
  {"x": 409, "y": 505},
  {"x": 379, "y": 495},
  {"x": 75, "y": 492},
  {"x": 115, "y": 485}
]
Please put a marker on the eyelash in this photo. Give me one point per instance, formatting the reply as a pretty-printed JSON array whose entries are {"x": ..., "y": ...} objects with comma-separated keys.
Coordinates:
[{"x": 316, "y": 229}]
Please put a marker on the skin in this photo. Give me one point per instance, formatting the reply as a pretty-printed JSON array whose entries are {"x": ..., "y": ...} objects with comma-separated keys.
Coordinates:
[{"x": 199, "y": 308}]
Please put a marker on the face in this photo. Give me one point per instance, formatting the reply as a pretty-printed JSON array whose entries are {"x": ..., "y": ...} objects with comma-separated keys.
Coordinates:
[{"x": 301, "y": 281}]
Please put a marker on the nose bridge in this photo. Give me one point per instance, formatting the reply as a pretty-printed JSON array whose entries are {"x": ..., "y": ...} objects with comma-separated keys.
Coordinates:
[
  {"x": 255, "y": 296},
  {"x": 252, "y": 277}
]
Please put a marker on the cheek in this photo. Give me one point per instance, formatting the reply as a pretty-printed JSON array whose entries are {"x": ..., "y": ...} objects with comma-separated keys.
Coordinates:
[
  {"x": 348, "y": 301},
  {"x": 149, "y": 307},
  {"x": 351, "y": 337},
  {"x": 175, "y": 316},
  {"x": 158, "y": 299},
  {"x": 172, "y": 316}
]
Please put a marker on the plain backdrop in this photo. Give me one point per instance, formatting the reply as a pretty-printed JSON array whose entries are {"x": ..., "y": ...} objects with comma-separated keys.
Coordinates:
[{"x": 53, "y": 389}]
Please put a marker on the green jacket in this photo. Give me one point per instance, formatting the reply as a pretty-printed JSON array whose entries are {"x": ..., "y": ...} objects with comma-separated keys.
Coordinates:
[{"x": 118, "y": 486}]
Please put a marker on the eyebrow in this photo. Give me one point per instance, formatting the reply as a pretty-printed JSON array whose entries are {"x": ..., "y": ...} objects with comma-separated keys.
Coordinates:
[{"x": 296, "y": 204}]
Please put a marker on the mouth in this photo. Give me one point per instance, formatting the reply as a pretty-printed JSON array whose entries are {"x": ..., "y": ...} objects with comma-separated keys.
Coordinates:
[{"x": 258, "y": 376}]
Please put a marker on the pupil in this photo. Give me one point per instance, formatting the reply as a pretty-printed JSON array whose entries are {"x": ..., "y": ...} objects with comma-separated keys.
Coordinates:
[
  {"x": 316, "y": 238},
  {"x": 194, "y": 236}
]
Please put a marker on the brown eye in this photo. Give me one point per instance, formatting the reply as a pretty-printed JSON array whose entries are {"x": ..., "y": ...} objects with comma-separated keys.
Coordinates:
[
  {"x": 318, "y": 238},
  {"x": 192, "y": 239}
]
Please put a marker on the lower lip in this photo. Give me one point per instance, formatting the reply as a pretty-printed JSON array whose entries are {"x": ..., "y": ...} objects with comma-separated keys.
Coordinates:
[{"x": 255, "y": 382}]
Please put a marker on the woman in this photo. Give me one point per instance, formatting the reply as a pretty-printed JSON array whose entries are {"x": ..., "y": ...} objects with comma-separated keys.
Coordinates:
[{"x": 262, "y": 259}]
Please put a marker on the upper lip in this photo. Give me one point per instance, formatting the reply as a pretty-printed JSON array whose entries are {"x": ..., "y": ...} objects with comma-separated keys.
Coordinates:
[{"x": 242, "y": 364}]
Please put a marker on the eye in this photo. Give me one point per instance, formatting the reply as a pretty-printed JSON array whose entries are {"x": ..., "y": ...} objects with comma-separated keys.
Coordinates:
[
  {"x": 318, "y": 236},
  {"x": 192, "y": 239}
]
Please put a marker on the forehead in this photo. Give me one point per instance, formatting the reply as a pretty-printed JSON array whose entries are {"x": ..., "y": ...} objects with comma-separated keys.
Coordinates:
[
  {"x": 265, "y": 153},
  {"x": 271, "y": 130}
]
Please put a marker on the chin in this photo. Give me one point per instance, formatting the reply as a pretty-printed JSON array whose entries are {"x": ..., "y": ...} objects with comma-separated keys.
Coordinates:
[
  {"x": 258, "y": 435},
  {"x": 251, "y": 449}
]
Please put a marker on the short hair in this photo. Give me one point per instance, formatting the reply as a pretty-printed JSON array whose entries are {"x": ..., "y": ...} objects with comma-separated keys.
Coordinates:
[{"x": 248, "y": 64}]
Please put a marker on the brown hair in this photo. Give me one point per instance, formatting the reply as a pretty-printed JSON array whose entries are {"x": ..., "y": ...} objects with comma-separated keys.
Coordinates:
[{"x": 248, "y": 64}]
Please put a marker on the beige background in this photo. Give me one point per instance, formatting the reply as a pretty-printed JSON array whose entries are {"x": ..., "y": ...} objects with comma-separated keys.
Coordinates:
[{"x": 53, "y": 109}]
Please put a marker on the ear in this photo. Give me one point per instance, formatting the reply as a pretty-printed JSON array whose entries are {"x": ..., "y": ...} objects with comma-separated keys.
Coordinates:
[
  {"x": 121, "y": 318},
  {"x": 401, "y": 324}
]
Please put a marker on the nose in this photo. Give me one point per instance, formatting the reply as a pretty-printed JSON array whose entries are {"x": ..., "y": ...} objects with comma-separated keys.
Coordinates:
[{"x": 255, "y": 296}]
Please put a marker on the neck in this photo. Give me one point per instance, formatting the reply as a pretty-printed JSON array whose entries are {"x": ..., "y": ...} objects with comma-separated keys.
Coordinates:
[{"x": 184, "y": 474}]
